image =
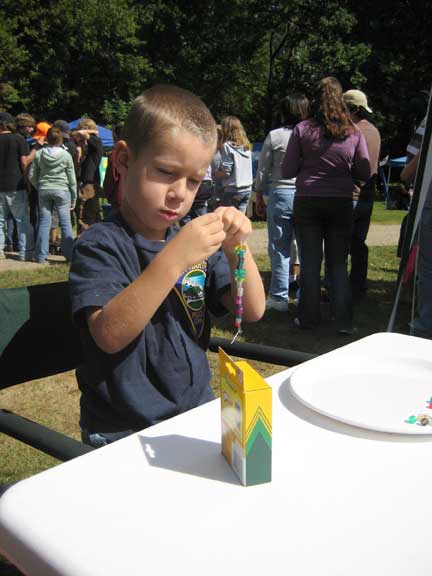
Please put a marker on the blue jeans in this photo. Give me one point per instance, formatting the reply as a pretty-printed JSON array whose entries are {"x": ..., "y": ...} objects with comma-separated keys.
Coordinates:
[
  {"x": 16, "y": 202},
  {"x": 237, "y": 197},
  {"x": 422, "y": 325},
  {"x": 320, "y": 219},
  {"x": 280, "y": 209},
  {"x": 48, "y": 199},
  {"x": 10, "y": 231}
]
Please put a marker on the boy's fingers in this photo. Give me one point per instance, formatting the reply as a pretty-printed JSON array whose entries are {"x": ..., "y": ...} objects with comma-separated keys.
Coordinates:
[
  {"x": 238, "y": 233},
  {"x": 227, "y": 214},
  {"x": 218, "y": 238},
  {"x": 214, "y": 226},
  {"x": 209, "y": 218},
  {"x": 237, "y": 223}
]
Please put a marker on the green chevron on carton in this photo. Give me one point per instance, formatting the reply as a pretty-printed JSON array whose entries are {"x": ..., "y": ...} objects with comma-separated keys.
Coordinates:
[{"x": 259, "y": 428}]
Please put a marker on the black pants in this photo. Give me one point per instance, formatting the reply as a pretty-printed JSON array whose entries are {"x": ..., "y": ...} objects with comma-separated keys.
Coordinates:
[
  {"x": 359, "y": 250},
  {"x": 327, "y": 220}
]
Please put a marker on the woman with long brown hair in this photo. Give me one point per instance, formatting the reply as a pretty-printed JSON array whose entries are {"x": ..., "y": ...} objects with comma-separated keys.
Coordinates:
[
  {"x": 325, "y": 153},
  {"x": 236, "y": 164}
]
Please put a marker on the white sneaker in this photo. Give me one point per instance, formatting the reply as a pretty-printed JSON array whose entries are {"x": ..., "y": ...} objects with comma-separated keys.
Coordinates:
[
  {"x": 279, "y": 305},
  {"x": 2, "y": 255}
]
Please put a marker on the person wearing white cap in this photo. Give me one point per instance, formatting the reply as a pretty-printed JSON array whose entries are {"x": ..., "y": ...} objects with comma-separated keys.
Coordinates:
[
  {"x": 364, "y": 192},
  {"x": 356, "y": 99}
]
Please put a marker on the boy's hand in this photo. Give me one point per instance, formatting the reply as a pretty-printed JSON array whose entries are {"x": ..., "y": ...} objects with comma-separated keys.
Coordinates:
[
  {"x": 197, "y": 240},
  {"x": 236, "y": 225}
]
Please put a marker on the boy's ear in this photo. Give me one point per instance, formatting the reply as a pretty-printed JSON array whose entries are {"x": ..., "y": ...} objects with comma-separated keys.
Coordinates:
[{"x": 121, "y": 157}]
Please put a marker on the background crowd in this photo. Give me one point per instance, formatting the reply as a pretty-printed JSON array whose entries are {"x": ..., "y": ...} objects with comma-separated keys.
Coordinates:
[
  {"x": 49, "y": 178},
  {"x": 315, "y": 183}
]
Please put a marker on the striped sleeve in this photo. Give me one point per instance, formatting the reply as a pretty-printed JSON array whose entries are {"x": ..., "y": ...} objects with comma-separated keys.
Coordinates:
[{"x": 415, "y": 143}]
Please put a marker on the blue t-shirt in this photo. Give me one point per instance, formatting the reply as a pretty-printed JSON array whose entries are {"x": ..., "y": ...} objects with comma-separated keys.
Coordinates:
[{"x": 164, "y": 371}]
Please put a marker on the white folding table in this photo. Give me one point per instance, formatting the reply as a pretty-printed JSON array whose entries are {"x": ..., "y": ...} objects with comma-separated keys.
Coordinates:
[{"x": 343, "y": 500}]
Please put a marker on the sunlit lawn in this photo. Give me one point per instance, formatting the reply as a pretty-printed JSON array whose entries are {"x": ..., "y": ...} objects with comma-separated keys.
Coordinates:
[{"x": 54, "y": 401}]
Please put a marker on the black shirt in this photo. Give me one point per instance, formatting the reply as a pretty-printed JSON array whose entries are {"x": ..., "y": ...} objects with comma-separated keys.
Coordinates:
[
  {"x": 90, "y": 164},
  {"x": 70, "y": 146},
  {"x": 164, "y": 371},
  {"x": 12, "y": 147}
]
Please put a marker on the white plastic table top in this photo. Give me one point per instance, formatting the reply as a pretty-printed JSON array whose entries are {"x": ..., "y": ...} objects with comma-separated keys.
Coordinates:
[{"x": 343, "y": 500}]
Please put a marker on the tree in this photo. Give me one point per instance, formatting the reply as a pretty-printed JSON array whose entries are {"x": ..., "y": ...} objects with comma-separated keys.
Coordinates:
[
  {"x": 308, "y": 40},
  {"x": 212, "y": 48},
  {"x": 12, "y": 61},
  {"x": 241, "y": 56},
  {"x": 78, "y": 55},
  {"x": 399, "y": 66}
]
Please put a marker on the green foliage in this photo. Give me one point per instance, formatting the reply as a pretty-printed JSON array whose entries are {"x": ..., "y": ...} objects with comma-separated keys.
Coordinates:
[
  {"x": 309, "y": 40},
  {"x": 12, "y": 61},
  {"x": 80, "y": 55},
  {"x": 399, "y": 66},
  {"x": 114, "y": 111},
  {"x": 240, "y": 56}
]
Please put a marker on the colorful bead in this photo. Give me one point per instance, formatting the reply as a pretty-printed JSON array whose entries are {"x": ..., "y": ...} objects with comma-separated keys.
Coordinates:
[
  {"x": 420, "y": 420},
  {"x": 239, "y": 277},
  {"x": 424, "y": 420}
]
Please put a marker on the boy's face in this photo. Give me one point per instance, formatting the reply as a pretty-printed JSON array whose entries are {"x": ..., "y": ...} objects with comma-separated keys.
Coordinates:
[
  {"x": 161, "y": 181},
  {"x": 27, "y": 130}
]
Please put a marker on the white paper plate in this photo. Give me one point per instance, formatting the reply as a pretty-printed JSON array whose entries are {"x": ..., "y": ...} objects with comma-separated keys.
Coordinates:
[{"x": 376, "y": 383}]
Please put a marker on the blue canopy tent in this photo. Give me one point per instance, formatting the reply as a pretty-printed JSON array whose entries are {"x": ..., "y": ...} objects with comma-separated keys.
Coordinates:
[
  {"x": 104, "y": 133},
  {"x": 391, "y": 163},
  {"x": 395, "y": 163}
]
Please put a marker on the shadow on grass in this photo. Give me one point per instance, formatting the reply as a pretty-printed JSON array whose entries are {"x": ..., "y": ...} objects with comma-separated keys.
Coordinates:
[{"x": 371, "y": 315}]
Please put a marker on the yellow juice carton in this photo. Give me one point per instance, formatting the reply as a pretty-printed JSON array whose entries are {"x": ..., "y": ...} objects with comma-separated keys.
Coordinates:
[{"x": 246, "y": 402}]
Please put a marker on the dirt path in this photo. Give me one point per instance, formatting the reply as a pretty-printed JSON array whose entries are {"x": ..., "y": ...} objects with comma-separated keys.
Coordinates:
[
  {"x": 379, "y": 235},
  {"x": 12, "y": 263}
]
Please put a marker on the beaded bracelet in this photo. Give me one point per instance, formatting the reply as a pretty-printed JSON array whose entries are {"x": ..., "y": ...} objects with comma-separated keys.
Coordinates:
[{"x": 239, "y": 276}]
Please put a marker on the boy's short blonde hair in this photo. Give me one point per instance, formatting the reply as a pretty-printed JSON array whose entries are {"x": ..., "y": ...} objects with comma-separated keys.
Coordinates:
[
  {"x": 87, "y": 124},
  {"x": 24, "y": 119},
  {"x": 163, "y": 108}
]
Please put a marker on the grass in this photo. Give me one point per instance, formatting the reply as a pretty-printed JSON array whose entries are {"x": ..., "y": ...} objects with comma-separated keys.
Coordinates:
[
  {"x": 381, "y": 215},
  {"x": 26, "y": 277},
  {"x": 55, "y": 401},
  {"x": 259, "y": 224}
]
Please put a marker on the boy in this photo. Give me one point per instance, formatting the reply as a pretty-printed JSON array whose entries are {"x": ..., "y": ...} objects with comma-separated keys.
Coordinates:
[{"x": 140, "y": 289}]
